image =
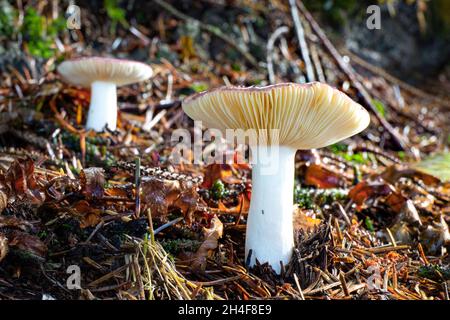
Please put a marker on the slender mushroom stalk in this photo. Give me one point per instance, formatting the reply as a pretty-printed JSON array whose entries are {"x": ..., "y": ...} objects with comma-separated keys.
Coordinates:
[
  {"x": 103, "y": 107},
  {"x": 270, "y": 232},
  {"x": 103, "y": 75},
  {"x": 301, "y": 116}
]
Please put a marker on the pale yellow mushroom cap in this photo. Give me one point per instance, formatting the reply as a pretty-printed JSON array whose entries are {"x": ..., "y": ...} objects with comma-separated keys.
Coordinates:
[
  {"x": 84, "y": 71},
  {"x": 308, "y": 116}
]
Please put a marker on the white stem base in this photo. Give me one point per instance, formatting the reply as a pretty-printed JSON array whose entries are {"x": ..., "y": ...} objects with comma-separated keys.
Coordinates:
[
  {"x": 270, "y": 233},
  {"x": 103, "y": 107}
]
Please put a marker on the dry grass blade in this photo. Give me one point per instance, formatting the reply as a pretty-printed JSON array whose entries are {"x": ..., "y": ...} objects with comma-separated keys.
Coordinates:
[{"x": 160, "y": 271}]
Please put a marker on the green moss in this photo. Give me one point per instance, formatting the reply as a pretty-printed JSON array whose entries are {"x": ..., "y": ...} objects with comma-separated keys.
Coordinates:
[
  {"x": 39, "y": 33},
  {"x": 199, "y": 86},
  {"x": 435, "y": 272},
  {"x": 115, "y": 13},
  {"x": 7, "y": 16},
  {"x": 380, "y": 107},
  {"x": 340, "y": 149},
  {"x": 369, "y": 224},
  {"x": 401, "y": 155},
  {"x": 218, "y": 190},
  {"x": 315, "y": 198},
  {"x": 96, "y": 149},
  {"x": 176, "y": 246}
]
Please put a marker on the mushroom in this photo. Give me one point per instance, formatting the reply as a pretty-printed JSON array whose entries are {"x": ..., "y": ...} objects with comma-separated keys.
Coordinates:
[
  {"x": 305, "y": 116},
  {"x": 103, "y": 75}
]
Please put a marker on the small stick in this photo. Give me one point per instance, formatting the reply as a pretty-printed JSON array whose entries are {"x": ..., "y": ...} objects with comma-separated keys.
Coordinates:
[
  {"x": 137, "y": 182},
  {"x": 387, "y": 249},
  {"x": 344, "y": 284},
  {"x": 108, "y": 276},
  {"x": 394, "y": 277},
  {"x": 137, "y": 271},
  {"x": 401, "y": 84},
  {"x": 318, "y": 66},
  {"x": 150, "y": 225},
  {"x": 168, "y": 224},
  {"x": 350, "y": 73},
  {"x": 422, "y": 254},
  {"x": 270, "y": 44},
  {"x": 298, "y": 287},
  {"x": 445, "y": 285},
  {"x": 301, "y": 40},
  {"x": 391, "y": 237},
  {"x": 338, "y": 230},
  {"x": 99, "y": 225},
  {"x": 344, "y": 214}
]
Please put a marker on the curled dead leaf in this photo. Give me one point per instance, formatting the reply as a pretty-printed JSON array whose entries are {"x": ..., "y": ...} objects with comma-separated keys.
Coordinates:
[
  {"x": 160, "y": 195},
  {"x": 211, "y": 236},
  {"x": 393, "y": 173},
  {"x": 92, "y": 182},
  {"x": 87, "y": 215},
  {"x": 28, "y": 246},
  {"x": 242, "y": 207},
  {"x": 304, "y": 221},
  {"x": 367, "y": 190},
  {"x": 435, "y": 236},
  {"x": 14, "y": 222},
  {"x": 19, "y": 182}
]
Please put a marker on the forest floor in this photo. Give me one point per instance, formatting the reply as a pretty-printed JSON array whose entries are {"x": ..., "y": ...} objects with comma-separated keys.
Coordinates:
[{"x": 372, "y": 211}]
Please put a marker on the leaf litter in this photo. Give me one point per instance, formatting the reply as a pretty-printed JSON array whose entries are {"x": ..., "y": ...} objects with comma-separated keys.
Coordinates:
[{"x": 371, "y": 222}]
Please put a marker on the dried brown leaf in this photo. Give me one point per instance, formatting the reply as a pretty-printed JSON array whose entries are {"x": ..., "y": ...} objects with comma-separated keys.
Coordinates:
[
  {"x": 435, "y": 236},
  {"x": 92, "y": 182},
  {"x": 223, "y": 172},
  {"x": 211, "y": 236},
  {"x": 160, "y": 195},
  {"x": 303, "y": 221},
  {"x": 321, "y": 177},
  {"x": 13, "y": 222},
  {"x": 88, "y": 216},
  {"x": 19, "y": 181},
  {"x": 28, "y": 245},
  {"x": 366, "y": 190}
]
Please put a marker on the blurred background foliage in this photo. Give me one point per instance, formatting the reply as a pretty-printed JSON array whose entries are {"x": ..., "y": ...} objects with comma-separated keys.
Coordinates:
[{"x": 415, "y": 34}]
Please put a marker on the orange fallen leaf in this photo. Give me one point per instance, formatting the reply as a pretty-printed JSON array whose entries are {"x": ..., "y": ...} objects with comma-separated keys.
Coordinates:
[{"x": 321, "y": 177}]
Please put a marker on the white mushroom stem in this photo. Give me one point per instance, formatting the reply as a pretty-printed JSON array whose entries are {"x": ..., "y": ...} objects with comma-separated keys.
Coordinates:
[
  {"x": 270, "y": 233},
  {"x": 103, "y": 107}
]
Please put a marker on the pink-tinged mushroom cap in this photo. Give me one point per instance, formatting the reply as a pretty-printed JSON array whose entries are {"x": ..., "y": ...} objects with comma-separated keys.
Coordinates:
[{"x": 84, "y": 71}]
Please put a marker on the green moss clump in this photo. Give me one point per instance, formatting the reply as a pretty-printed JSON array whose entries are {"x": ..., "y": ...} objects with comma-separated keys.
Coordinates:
[
  {"x": 435, "y": 272},
  {"x": 218, "y": 190},
  {"x": 315, "y": 198}
]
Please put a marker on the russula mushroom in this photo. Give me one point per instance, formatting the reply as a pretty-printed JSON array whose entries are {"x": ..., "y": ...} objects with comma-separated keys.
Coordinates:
[
  {"x": 306, "y": 116},
  {"x": 103, "y": 75}
]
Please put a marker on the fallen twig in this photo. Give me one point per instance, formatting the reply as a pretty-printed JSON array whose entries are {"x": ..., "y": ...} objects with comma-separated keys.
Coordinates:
[
  {"x": 350, "y": 73},
  {"x": 301, "y": 41}
]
